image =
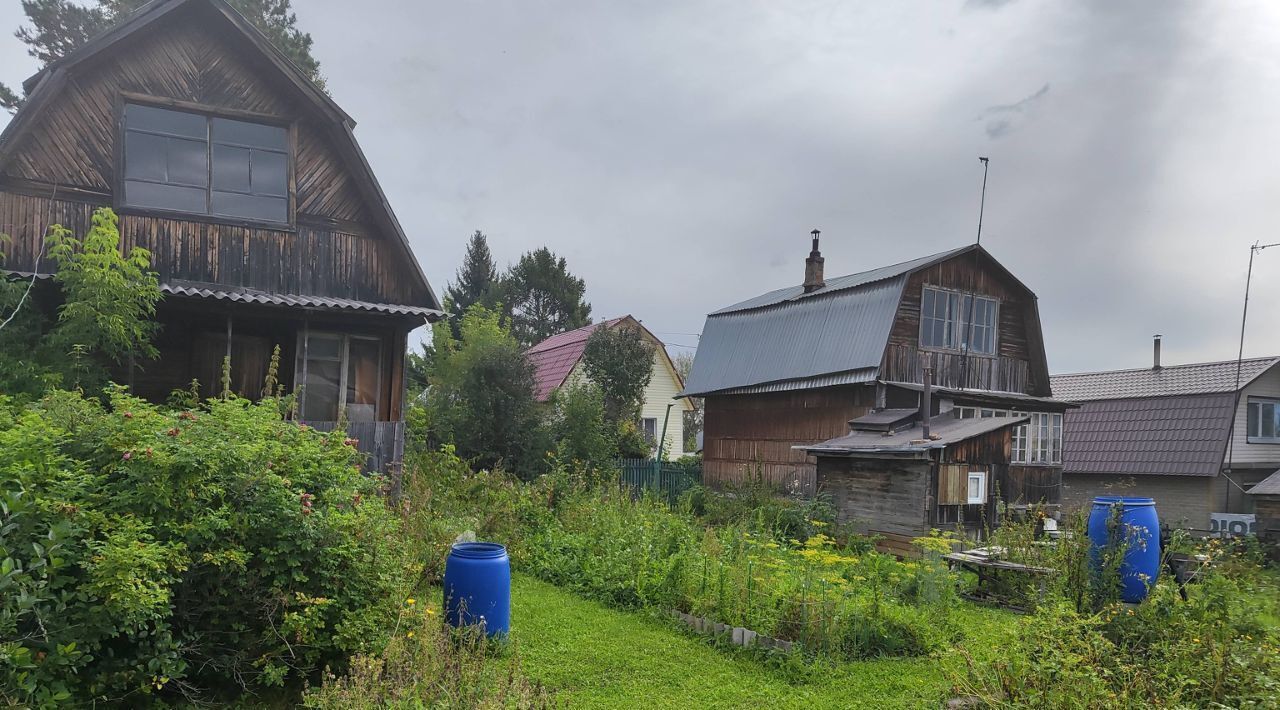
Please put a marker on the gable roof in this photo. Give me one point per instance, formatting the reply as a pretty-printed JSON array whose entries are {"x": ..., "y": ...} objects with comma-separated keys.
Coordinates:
[
  {"x": 1181, "y": 435},
  {"x": 1270, "y": 486},
  {"x": 49, "y": 82},
  {"x": 553, "y": 359},
  {"x": 1172, "y": 380},
  {"x": 788, "y": 339}
]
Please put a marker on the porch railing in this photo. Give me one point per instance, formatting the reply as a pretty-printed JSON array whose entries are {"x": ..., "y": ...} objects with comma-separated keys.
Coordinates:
[{"x": 666, "y": 479}]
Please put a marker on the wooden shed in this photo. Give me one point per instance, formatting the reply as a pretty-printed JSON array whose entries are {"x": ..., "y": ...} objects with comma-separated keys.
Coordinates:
[{"x": 892, "y": 477}]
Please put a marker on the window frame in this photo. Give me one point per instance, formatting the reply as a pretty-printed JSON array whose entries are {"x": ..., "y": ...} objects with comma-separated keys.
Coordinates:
[
  {"x": 982, "y": 477},
  {"x": 300, "y": 370},
  {"x": 209, "y": 112},
  {"x": 1249, "y": 437},
  {"x": 955, "y": 327},
  {"x": 1028, "y": 445}
]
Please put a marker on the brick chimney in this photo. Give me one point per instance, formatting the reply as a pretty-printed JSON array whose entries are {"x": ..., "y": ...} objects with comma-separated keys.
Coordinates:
[{"x": 813, "y": 267}]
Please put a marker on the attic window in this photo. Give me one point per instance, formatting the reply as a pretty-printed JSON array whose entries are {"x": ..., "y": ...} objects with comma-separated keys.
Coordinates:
[
  {"x": 944, "y": 319},
  {"x": 1263, "y": 421},
  {"x": 199, "y": 164}
]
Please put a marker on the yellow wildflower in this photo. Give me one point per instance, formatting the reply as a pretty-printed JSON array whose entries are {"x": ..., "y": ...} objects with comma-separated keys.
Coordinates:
[
  {"x": 411, "y": 601},
  {"x": 409, "y": 635}
]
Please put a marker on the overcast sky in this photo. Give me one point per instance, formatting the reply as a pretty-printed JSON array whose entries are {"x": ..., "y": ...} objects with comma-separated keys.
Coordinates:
[{"x": 678, "y": 153}]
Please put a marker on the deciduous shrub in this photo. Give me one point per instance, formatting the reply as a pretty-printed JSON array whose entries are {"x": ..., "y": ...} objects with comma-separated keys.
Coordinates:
[{"x": 198, "y": 554}]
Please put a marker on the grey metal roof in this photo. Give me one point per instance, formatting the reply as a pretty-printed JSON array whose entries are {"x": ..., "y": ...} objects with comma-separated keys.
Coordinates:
[
  {"x": 1196, "y": 378},
  {"x": 841, "y": 335},
  {"x": 1270, "y": 486},
  {"x": 1184, "y": 435},
  {"x": 840, "y": 283},
  {"x": 852, "y": 377},
  {"x": 246, "y": 295},
  {"x": 946, "y": 428},
  {"x": 993, "y": 397}
]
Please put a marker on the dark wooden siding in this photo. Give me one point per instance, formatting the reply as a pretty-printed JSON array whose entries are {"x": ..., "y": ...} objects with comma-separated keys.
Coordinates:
[
  {"x": 66, "y": 163},
  {"x": 1016, "y": 365},
  {"x": 310, "y": 260},
  {"x": 752, "y": 434},
  {"x": 880, "y": 496}
]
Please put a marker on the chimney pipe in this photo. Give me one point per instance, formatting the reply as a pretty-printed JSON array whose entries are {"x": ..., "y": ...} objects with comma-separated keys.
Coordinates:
[
  {"x": 1156, "y": 358},
  {"x": 926, "y": 401},
  {"x": 813, "y": 267}
]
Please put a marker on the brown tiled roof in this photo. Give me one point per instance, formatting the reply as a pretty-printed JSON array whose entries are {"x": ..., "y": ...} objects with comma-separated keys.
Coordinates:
[
  {"x": 1196, "y": 378},
  {"x": 1179, "y": 436}
]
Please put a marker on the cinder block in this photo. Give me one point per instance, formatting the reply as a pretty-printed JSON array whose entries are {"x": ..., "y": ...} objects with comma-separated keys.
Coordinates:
[
  {"x": 749, "y": 638},
  {"x": 738, "y": 633}
]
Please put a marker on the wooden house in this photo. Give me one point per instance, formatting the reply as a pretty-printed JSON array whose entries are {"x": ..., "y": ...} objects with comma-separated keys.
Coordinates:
[
  {"x": 557, "y": 363},
  {"x": 1196, "y": 437},
  {"x": 791, "y": 368},
  {"x": 265, "y": 223}
]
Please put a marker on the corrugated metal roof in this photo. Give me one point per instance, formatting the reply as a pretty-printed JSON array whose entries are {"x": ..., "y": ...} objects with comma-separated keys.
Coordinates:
[
  {"x": 852, "y": 377},
  {"x": 1184, "y": 435},
  {"x": 945, "y": 427},
  {"x": 246, "y": 295},
  {"x": 840, "y": 283},
  {"x": 1270, "y": 486},
  {"x": 1196, "y": 378},
  {"x": 840, "y": 334},
  {"x": 994, "y": 397},
  {"x": 553, "y": 359}
]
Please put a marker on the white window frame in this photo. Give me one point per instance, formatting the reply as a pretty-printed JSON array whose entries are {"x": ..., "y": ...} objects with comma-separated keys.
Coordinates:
[
  {"x": 344, "y": 364},
  {"x": 981, "y": 478},
  {"x": 955, "y": 321},
  {"x": 1253, "y": 423},
  {"x": 1037, "y": 442}
]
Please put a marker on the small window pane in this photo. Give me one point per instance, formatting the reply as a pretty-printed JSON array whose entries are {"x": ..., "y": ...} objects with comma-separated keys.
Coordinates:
[
  {"x": 270, "y": 173},
  {"x": 230, "y": 168},
  {"x": 362, "y": 380},
  {"x": 1254, "y": 419},
  {"x": 232, "y": 204},
  {"x": 176, "y": 123},
  {"x": 256, "y": 135},
  {"x": 1268, "y": 420},
  {"x": 188, "y": 163},
  {"x": 320, "y": 396},
  {"x": 324, "y": 347},
  {"x": 167, "y": 197},
  {"x": 144, "y": 157}
]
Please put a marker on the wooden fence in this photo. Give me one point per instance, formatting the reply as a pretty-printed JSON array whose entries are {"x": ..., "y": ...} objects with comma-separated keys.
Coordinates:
[{"x": 665, "y": 479}]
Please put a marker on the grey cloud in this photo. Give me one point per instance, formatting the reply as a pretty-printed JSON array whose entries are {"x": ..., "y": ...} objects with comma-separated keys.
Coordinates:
[{"x": 1001, "y": 119}]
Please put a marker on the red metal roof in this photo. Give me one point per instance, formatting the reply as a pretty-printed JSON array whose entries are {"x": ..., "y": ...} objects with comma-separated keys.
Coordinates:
[{"x": 553, "y": 359}]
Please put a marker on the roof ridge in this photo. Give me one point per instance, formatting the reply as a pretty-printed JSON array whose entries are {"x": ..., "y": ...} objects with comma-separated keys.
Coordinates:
[{"x": 1167, "y": 367}]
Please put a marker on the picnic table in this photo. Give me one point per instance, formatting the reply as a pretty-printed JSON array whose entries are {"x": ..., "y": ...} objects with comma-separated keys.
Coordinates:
[{"x": 987, "y": 563}]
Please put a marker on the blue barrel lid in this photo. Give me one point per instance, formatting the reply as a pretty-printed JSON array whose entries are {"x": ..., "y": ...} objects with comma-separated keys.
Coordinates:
[
  {"x": 478, "y": 550},
  {"x": 1123, "y": 500}
]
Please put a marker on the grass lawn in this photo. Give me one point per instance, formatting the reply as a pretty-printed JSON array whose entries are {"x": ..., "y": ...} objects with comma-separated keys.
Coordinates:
[{"x": 598, "y": 657}]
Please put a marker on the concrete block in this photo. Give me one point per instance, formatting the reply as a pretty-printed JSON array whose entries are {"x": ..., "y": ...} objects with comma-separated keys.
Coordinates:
[
  {"x": 738, "y": 633},
  {"x": 749, "y": 638}
]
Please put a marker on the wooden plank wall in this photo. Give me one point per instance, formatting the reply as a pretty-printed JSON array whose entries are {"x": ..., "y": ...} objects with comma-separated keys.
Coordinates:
[
  {"x": 751, "y": 435},
  {"x": 308, "y": 261},
  {"x": 1015, "y": 368},
  {"x": 337, "y": 249},
  {"x": 881, "y": 496}
]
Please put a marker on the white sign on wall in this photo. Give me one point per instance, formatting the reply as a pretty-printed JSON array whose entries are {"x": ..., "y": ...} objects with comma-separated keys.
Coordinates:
[{"x": 1233, "y": 524}]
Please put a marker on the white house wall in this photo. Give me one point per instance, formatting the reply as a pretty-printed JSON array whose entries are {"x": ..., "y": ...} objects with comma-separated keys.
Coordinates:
[
  {"x": 662, "y": 390},
  {"x": 1244, "y": 453}
]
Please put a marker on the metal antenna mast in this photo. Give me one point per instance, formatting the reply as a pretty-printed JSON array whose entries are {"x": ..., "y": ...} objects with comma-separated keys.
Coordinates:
[{"x": 973, "y": 296}]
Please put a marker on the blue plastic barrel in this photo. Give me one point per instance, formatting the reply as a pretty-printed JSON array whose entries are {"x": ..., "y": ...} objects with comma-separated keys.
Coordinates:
[
  {"x": 1138, "y": 529},
  {"x": 477, "y": 587}
]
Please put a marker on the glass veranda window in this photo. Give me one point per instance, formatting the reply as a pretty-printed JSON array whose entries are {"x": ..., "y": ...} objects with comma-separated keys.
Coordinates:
[{"x": 339, "y": 374}]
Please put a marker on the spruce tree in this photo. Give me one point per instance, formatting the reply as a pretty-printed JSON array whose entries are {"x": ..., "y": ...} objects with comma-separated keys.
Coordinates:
[
  {"x": 476, "y": 281},
  {"x": 542, "y": 298}
]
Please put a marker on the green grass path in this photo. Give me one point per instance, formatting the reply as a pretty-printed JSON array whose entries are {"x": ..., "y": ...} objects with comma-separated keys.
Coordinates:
[{"x": 596, "y": 657}]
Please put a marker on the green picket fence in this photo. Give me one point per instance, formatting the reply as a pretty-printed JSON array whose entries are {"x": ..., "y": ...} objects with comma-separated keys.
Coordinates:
[{"x": 666, "y": 479}]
